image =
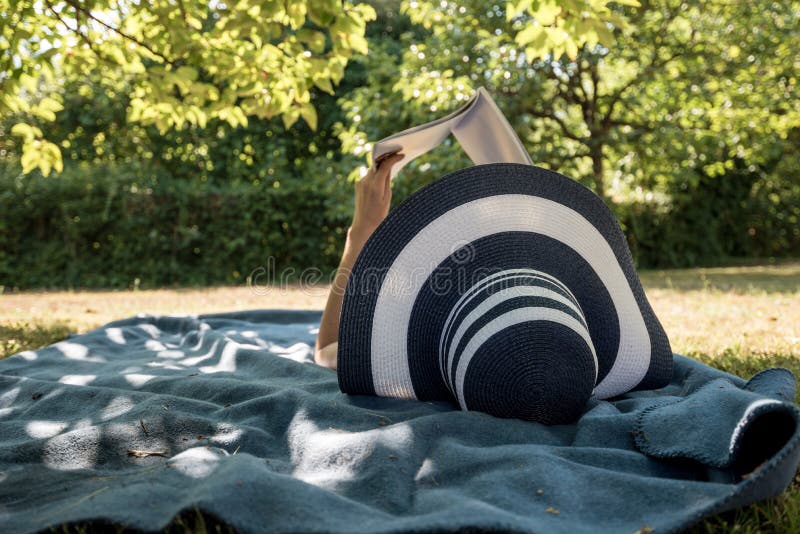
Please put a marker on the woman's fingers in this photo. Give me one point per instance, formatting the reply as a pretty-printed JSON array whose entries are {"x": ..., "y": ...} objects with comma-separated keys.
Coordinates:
[
  {"x": 377, "y": 179},
  {"x": 384, "y": 171},
  {"x": 385, "y": 164}
]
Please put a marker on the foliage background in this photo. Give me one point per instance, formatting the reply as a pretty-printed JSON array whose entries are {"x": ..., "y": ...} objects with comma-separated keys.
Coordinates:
[{"x": 688, "y": 126}]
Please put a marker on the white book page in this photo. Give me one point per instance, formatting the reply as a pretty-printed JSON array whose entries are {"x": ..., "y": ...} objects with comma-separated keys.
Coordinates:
[{"x": 479, "y": 126}]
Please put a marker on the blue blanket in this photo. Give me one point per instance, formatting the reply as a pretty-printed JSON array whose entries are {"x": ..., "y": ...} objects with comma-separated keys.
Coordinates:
[{"x": 143, "y": 418}]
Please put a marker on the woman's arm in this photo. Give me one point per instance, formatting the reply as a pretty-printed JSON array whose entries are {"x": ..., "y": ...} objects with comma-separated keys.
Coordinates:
[{"x": 373, "y": 197}]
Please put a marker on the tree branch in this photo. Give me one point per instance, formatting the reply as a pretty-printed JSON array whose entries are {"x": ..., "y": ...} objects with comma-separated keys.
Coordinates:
[
  {"x": 566, "y": 89},
  {"x": 579, "y": 76},
  {"x": 559, "y": 121},
  {"x": 636, "y": 125},
  {"x": 77, "y": 30},
  {"x": 595, "y": 83},
  {"x": 654, "y": 63},
  {"x": 77, "y": 7}
]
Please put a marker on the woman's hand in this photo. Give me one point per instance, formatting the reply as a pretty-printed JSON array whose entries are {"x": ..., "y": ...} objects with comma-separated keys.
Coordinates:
[{"x": 373, "y": 198}]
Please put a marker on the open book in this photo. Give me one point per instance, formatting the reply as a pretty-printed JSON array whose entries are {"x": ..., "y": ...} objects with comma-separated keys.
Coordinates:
[{"x": 479, "y": 126}]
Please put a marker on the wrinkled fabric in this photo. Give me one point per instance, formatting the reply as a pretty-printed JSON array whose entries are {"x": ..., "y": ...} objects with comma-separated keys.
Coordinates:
[{"x": 145, "y": 417}]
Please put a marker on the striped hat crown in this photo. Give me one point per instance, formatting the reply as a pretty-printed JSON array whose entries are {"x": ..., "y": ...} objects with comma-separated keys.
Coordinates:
[
  {"x": 516, "y": 344},
  {"x": 504, "y": 288}
]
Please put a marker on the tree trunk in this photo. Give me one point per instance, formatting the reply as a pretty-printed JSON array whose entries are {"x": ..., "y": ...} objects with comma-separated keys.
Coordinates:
[{"x": 596, "y": 153}]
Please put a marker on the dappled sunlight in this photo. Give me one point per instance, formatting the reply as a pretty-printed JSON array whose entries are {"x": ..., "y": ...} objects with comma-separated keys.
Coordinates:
[
  {"x": 330, "y": 457},
  {"x": 52, "y": 394},
  {"x": 138, "y": 380},
  {"x": 199, "y": 333},
  {"x": 251, "y": 335},
  {"x": 119, "y": 406},
  {"x": 45, "y": 429},
  {"x": 299, "y": 352},
  {"x": 227, "y": 360},
  {"x": 77, "y": 445},
  {"x": 7, "y": 398},
  {"x": 171, "y": 353},
  {"x": 150, "y": 330},
  {"x": 76, "y": 351},
  {"x": 116, "y": 335},
  {"x": 154, "y": 345},
  {"x": 77, "y": 380},
  {"x": 73, "y": 450},
  {"x": 318, "y": 455},
  {"x": 426, "y": 471},
  {"x": 226, "y": 434},
  {"x": 197, "y": 359},
  {"x": 166, "y": 365},
  {"x": 28, "y": 355},
  {"x": 197, "y": 462},
  {"x": 130, "y": 435}
]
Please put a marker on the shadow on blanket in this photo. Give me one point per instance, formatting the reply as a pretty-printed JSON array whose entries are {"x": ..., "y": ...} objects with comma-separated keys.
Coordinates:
[{"x": 143, "y": 418}]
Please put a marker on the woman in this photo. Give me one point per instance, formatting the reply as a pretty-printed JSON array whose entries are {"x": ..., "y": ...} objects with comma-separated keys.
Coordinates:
[{"x": 373, "y": 198}]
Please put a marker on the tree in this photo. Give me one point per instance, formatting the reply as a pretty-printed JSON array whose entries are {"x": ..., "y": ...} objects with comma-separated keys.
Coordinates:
[
  {"x": 186, "y": 61},
  {"x": 684, "y": 87},
  {"x": 189, "y": 61}
]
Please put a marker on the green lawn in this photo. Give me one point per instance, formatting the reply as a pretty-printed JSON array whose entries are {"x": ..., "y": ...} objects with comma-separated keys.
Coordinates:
[{"x": 739, "y": 319}]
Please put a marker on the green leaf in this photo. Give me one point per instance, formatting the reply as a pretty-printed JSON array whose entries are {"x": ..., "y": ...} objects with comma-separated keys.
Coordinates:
[
  {"x": 571, "y": 48},
  {"x": 26, "y": 131},
  {"x": 531, "y": 33},
  {"x": 28, "y": 82},
  {"x": 309, "y": 115},
  {"x": 187, "y": 73},
  {"x": 290, "y": 117},
  {"x": 314, "y": 39},
  {"x": 324, "y": 84},
  {"x": 29, "y": 159},
  {"x": 546, "y": 13},
  {"x": 47, "y": 108}
]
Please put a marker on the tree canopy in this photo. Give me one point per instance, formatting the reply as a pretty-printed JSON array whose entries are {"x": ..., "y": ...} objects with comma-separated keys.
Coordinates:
[
  {"x": 684, "y": 88},
  {"x": 188, "y": 61}
]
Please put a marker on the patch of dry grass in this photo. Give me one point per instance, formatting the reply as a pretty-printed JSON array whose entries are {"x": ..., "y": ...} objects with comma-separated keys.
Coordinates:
[
  {"x": 85, "y": 310},
  {"x": 754, "y": 309}
]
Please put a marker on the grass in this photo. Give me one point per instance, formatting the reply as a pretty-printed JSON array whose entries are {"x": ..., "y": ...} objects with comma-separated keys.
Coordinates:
[{"x": 739, "y": 319}]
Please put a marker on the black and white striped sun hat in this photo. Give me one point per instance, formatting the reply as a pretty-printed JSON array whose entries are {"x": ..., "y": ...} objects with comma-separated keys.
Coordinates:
[{"x": 505, "y": 288}]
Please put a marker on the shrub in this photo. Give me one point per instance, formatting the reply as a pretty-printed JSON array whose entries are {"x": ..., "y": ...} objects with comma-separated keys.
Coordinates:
[
  {"x": 126, "y": 225},
  {"x": 116, "y": 227}
]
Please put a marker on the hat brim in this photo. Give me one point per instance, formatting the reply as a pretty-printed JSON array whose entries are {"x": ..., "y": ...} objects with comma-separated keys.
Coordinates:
[{"x": 472, "y": 223}]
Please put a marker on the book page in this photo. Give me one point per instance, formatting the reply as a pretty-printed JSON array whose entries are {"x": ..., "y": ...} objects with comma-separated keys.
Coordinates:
[
  {"x": 479, "y": 126},
  {"x": 486, "y": 136}
]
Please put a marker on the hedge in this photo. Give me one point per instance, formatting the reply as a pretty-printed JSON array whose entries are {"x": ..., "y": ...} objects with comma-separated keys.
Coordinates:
[{"x": 116, "y": 227}]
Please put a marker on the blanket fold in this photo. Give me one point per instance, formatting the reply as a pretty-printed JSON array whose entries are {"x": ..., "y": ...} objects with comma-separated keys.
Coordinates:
[
  {"x": 149, "y": 416},
  {"x": 728, "y": 427}
]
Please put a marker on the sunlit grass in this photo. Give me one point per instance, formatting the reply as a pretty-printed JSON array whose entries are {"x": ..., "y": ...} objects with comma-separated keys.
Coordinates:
[
  {"x": 738, "y": 319},
  {"x": 17, "y": 336}
]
